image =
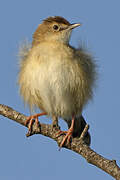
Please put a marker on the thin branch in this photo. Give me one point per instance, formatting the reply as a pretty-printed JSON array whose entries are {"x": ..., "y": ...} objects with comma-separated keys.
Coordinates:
[
  {"x": 77, "y": 145},
  {"x": 84, "y": 131}
]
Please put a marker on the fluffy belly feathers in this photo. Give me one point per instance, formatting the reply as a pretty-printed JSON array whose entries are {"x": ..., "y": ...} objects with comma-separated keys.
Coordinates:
[{"x": 55, "y": 88}]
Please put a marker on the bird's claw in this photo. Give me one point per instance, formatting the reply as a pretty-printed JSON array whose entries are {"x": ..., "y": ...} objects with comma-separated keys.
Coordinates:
[
  {"x": 68, "y": 135},
  {"x": 29, "y": 121}
]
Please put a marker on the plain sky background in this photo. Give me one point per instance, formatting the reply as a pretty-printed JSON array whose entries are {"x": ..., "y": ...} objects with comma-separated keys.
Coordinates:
[{"x": 38, "y": 157}]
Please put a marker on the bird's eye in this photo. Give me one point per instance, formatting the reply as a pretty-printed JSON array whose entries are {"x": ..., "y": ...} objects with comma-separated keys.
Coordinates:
[{"x": 55, "y": 27}]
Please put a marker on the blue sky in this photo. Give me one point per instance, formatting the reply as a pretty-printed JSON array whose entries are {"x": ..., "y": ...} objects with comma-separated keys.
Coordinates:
[{"x": 38, "y": 157}]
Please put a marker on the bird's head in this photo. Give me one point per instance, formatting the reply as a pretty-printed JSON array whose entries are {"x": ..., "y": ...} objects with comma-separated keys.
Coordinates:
[{"x": 54, "y": 29}]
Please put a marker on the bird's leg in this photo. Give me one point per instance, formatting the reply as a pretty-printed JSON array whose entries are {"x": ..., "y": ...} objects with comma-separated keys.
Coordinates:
[
  {"x": 54, "y": 121},
  {"x": 31, "y": 119},
  {"x": 68, "y": 133}
]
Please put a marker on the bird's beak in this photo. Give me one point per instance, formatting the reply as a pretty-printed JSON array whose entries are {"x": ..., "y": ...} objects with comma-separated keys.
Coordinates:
[{"x": 72, "y": 26}]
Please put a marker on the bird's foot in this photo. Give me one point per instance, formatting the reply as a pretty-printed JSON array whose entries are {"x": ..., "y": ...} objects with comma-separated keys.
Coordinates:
[
  {"x": 68, "y": 135},
  {"x": 31, "y": 119}
]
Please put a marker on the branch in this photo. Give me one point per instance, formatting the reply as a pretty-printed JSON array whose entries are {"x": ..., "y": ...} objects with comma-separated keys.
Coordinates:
[{"x": 77, "y": 145}]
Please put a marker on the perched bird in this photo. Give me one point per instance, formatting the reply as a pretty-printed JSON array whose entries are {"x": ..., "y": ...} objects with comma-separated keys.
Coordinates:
[{"x": 56, "y": 77}]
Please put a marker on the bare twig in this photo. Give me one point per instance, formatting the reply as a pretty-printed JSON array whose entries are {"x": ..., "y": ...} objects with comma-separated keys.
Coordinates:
[
  {"x": 84, "y": 131},
  {"x": 77, "y": 145}
]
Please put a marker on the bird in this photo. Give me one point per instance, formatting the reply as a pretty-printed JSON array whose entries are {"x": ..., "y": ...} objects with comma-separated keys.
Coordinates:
[{"x": 56, "y": 77}]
